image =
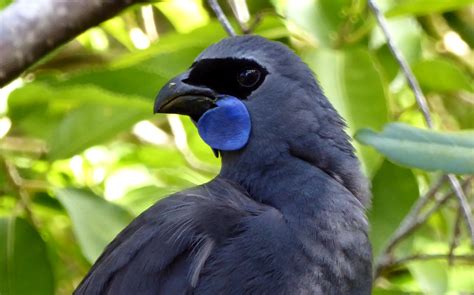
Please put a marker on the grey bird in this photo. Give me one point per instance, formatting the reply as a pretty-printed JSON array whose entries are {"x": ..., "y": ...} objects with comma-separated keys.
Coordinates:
[{"x": 286, "y": 213}]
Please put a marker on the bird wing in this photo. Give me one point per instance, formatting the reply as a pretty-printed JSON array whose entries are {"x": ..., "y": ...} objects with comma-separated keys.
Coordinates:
[{"x": 164, "y": 249}]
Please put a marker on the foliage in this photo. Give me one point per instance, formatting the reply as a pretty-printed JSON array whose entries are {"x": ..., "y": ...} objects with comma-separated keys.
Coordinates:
[{"x": 82, "y": 154}]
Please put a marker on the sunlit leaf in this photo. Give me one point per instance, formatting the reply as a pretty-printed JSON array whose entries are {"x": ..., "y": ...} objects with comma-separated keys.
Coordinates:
[
  {"x": 117, "y": 28},
  {"x": 319, "y": 18},
  {"x": 95, "y": 221},
  {"x": 74, "y": 118},
  {"x": 5, "y": 3},
  {"x": 424, "y": 7},
  {"x": 192, "y": 11},
  {"x": 24, "y": 265},
  {"x": 431, "y": 275},
  {"x": 451, "y": 152},
  {"x": 378, "y": 291}
]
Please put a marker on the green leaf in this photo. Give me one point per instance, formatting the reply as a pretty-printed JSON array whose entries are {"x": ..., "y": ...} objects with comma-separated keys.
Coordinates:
[
  {"x": 96, "y": 122},
  {"x": 424, "y": 7},
  {"x": 441, "y": 75},
  {"x": 345, "y": 77},
  {"x": 24, "y": 265},
  {"x": 134, "y": 77},
  {"x": 5, "y": 3},
  {"x": 320, "y": 18},
  {"x": 460, "y": 279},
  {"x": 431, "y": 275},
  {"x": 394, "y": 190},
  {"x": 406, "y": 34},
  {"x": 377, "y": 291},
  {"x": 193, "y": 12},
  {"x": 52, "y": 112},
  {"x": 462, "y": 109},
  {"x": 95, "y": 221},
  {"x": 450, "y": 152},
  {"x": 117, "y": 28},
  {"x": 272, "y": 27}
]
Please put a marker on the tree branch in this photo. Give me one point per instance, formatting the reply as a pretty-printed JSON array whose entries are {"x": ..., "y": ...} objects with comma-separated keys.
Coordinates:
[
  {"x": 221, "y": 17},
  {"x": 423, "y": 106},
  {"x": 31, "y": 29}
]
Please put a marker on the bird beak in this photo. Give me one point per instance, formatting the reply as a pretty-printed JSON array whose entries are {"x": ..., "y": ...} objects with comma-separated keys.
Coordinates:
[{"x": 179, "y": 97}]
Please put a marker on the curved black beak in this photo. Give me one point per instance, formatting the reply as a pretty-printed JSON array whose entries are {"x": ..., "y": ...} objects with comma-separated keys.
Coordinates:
[{"x": 179, "y": 97}]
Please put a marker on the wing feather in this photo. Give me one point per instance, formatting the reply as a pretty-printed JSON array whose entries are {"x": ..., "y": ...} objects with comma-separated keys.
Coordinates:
[{"x": 164, "y": 250}]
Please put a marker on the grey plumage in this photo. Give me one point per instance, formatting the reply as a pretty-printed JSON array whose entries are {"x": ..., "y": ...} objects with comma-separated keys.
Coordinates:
[{"x": 284, "y": 216}]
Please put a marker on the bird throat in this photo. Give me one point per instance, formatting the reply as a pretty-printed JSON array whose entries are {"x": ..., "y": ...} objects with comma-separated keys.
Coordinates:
[{"x": 227, "y": 126}]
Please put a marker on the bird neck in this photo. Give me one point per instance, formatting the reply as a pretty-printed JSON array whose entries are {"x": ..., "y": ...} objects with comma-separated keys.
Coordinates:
[
  {"x": 293, "y": 186},
  {"x": 307, "y": 154}
]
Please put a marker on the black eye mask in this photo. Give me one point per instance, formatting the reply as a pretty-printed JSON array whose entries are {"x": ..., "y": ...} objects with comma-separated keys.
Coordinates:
[{"x": 228, "y": 76}]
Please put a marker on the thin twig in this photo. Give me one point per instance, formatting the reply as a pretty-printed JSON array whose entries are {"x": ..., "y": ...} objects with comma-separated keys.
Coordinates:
[
  {"x": 23, "y": 145},
  {"x": 221, "y": 17},
  {"x": 407, "y": 224},
  {"x": 466, "y": 208},
  {"x": 385, "y": 260},
  {"x": 17, "y": 182},
  {"x": 420, "y": 98},
  {"x": 455, "y": 238},
  {"x": 423, "y": 106}
]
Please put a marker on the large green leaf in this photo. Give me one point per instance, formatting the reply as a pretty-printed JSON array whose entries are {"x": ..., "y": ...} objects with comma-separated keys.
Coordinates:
[
  {"x": 94, "y": 123},
  {"x": 24, "y": 265},
  {"x": 424, "y": 7},
  {"x": 132, "y": 75},
  {"x": 451, "y": 152},
  {"x": 353, "y": 85},
  {"x": 144, "y": 72},
  {"x": 74, "y": 118},
  {"x": 442, "y": 75},
  {"x": 95, "y": 221},
  {"x": 48, "y": 112},
  {"x": 394, "y": 190}
]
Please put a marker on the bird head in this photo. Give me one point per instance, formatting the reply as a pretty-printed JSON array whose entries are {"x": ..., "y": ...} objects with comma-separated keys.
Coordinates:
[
  {"x": 236, "y": 86},
  {"x": 255, "y": 99}
]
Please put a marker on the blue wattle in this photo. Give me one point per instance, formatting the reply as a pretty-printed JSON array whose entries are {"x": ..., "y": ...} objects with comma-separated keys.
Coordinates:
[{"x": 227, "y": 126}]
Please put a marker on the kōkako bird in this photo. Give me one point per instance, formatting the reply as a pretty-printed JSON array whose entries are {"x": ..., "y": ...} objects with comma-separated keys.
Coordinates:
[{"x": 286, "y": 213}]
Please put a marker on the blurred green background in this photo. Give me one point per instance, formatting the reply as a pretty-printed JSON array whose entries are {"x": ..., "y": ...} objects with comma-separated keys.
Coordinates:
[{"x": 81, "y": 153}]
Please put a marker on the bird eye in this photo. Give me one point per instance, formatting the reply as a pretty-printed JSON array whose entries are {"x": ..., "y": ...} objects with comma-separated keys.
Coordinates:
[{"x": 249, "y": 77}]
